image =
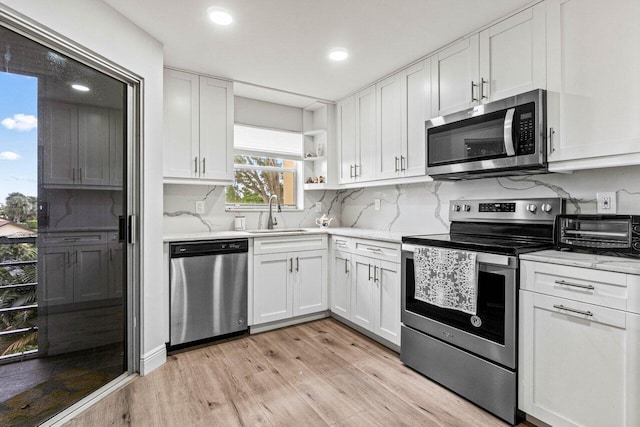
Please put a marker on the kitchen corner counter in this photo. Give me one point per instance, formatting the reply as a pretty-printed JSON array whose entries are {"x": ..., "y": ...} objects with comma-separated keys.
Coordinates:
[
  {"x": 597, "y": 262},
  {"x": 362, "y": 233}
]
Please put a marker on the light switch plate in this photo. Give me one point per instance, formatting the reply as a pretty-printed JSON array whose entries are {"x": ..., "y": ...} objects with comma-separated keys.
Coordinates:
[
  {"x": 200, "y": 207},
  {"x": 606, "y": 202},
  {"x": 377, "y": 204},
  {"x": 318, "y": 207}
]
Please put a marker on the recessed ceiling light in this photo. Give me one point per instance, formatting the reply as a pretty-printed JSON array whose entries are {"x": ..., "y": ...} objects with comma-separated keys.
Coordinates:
[
  {"x": 219, "y": 16},
  {"x": 338, "y": 54},
  {"x": 79, "y": 87}
]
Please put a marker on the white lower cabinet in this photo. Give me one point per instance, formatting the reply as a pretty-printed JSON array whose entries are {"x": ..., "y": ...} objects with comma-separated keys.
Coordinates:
[
  {"x": 579, "y": 362},
  {"x": 365, "y": 289},
  {"x": 288, "y": 284}
]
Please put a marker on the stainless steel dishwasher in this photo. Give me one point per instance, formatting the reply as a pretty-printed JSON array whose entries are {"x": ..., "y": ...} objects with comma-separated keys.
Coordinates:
[{"x": 208, "y": 290}]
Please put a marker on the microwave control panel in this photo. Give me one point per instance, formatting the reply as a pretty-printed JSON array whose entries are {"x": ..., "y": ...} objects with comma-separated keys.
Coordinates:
[{"x": 526, "y": 129}]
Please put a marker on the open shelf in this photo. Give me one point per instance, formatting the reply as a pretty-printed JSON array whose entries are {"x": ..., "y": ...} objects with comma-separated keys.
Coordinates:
[
  {"x": 323, "y": 186},
  {"x": 315, "y": 132}
]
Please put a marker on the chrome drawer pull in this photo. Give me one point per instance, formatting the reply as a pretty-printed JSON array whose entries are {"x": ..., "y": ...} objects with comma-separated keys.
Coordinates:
[
  {"x": 374, "y": 249},
  {"x": 573, "y": 310},
  {"x": 575, "y": 285}
]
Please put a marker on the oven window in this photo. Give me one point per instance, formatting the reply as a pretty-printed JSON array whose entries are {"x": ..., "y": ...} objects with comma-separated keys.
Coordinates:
[{"x": 490, "y": 308}]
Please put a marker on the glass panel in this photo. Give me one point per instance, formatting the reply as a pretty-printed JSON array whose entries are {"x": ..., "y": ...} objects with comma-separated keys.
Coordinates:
[
  {"x": 257, "y": 178},
  {"x": 490, "y": 307},
  {"x": 62, "y": 267},
  {"x": 468, "y": 140}
]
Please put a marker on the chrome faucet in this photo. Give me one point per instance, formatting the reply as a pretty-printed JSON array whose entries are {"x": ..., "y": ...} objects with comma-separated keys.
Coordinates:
[{"x": 271, "y": 222}]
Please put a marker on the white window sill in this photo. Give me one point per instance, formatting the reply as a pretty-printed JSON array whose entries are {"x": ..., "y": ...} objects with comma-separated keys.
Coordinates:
[{"x": 274, "y": 211}]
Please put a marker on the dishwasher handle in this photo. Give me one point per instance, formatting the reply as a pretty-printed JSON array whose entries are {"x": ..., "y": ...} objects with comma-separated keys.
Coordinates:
[{"x": 211, "y": 247}]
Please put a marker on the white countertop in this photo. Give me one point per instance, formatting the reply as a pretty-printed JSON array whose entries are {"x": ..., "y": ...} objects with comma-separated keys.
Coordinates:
[
  {"x": 597, "y": 262},
  {"x": 362, "y": 233}
]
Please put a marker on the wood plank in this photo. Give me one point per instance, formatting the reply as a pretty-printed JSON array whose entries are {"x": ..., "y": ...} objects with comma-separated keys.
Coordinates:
[{"x": 316, "y": 374}]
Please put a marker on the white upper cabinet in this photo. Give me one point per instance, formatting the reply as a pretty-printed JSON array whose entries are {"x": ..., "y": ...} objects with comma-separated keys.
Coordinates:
[
  {"x": 506, "y": 59},
  {"x": 346, "y": 126},
  {"x": 391, "y": 95},
  {"x": 454, "y": 74},
  {"x": 593, "y": 94},
  {"x": 198, "y": 128},
  {"x": 513, "y": 55},
  {"x": 364, "y": 168},
  {"x": 418, "y": 87}
]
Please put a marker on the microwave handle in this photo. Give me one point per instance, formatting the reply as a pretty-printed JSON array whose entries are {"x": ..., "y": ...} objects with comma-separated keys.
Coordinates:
[{"x": 508, "y": 132}]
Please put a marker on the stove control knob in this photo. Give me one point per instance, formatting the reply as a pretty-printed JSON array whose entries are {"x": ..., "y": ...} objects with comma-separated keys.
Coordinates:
[
  {"x": 466, "y": 208},
  {"x": 455, "y": 208},
  {"x": 532, "y": 208},
  {"x": 546, "y": 207}
]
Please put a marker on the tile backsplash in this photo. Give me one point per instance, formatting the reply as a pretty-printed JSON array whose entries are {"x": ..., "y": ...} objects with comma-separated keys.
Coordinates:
[{"x": 412, "y": 208}]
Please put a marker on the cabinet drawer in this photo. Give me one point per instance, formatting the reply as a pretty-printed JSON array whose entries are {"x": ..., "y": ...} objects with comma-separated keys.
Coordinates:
[
  {"x": 605, "y": 288},
  {"x": 344, "y": 244},
  {"x": 271, "y": 245},
  {"x": 379, "y": 250},
  {"x": 587, "y": 312},
  {"x": 74, "y": 238}
]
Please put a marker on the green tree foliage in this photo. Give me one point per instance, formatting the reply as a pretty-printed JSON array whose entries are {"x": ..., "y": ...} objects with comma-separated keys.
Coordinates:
[
  {"x": 20, "y": 208},
  {"x": 255, "y": 186}
]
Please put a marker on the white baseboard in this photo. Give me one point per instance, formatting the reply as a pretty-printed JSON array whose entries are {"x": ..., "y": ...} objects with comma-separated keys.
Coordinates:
[{"x": 153, "y": 359}]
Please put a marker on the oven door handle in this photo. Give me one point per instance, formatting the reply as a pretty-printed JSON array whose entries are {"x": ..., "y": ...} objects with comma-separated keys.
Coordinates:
[
  {"x": 481, "y": 257},
  {"x": 508, "y": 132}
]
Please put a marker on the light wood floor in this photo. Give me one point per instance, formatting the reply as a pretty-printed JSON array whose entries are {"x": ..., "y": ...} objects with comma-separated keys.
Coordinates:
[{"x": 315, "y": 374}]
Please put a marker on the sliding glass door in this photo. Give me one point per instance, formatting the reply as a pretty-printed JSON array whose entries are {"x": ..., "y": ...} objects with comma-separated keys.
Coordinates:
[{"x": 63, "y": 255}]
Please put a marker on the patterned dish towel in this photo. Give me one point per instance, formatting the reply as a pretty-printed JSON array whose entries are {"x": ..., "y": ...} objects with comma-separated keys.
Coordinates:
[{"x": 447, "y": 278}]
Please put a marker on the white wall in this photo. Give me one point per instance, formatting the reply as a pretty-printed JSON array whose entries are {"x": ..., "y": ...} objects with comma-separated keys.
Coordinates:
[
  {"x": 95, "y": 26},
  {"x": 267, "y": 114}
]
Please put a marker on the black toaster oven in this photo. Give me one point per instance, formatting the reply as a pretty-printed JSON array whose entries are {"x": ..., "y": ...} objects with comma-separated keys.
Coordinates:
[{"x": 600, "y": 234}]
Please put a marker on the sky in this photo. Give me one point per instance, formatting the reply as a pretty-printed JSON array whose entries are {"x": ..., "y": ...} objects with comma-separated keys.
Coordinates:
[{"x": 18, "y": 135}]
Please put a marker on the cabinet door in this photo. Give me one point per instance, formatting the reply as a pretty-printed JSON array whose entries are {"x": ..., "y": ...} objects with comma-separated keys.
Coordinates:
[
  {"x": 181, "y": 146},
  {"x": 418, "y": 98},
  {"x": 116, "y": 148},
  {"x": 513, "y": 55},
  {"x": 90, "y": 272},
  {"x": 346, "y": 124},
  {"x": 93, "y": 145},
  {"x": 388, "y": 301},
  {"x": 366, "y": 134},
  {"x": 341, "y": 284},
  {"x": 116, "y": 260},
  {"x": 593, "y": 61},
  {"x": 55, "y": 275},
  {"x": 391, "y": 116},
  {"x": 216, "y": 129},
  {"x": 60, "y": 141},
  {"x": 272, "y": 288},
  {"x": 575, "y": 368},
  {"x": 454, "y": 74},
  {"x": 310, "y": 288},
  {"x": 363, "y": 293}
]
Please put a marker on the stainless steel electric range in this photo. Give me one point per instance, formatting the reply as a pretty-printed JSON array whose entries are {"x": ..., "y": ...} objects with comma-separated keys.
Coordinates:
[{"x": 475, "y": 354}]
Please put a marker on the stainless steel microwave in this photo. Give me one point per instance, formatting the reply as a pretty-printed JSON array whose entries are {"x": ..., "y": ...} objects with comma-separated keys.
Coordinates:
[{"x": 504, "y": 137}]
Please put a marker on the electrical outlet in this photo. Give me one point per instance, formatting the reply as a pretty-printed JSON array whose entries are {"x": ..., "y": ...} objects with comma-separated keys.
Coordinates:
[
  {"x": 377, "y": 204},
  {"x": 200, "y": 207},
  {"x": 606, "y": 202},
  {"x": 318, "y": 207}
]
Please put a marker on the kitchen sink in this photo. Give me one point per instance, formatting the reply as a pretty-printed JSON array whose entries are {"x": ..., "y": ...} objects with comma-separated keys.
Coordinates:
[{"x": 276, "y": 230}]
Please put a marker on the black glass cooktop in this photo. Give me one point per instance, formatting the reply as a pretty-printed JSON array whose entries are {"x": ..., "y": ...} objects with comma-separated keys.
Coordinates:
[{"x": 491, "y": 244}]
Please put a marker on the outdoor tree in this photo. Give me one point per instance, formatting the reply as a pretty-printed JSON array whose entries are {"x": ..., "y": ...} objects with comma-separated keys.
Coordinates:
[
  {"x": 254, "y": 186},
  {"x": 19, "y": 208}
]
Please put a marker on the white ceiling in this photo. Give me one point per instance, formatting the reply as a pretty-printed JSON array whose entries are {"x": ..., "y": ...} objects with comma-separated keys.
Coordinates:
[{"x": 283, "y": 44}]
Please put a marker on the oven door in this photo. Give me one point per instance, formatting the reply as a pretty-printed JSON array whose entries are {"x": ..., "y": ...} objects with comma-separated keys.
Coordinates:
[{"x": 491, "y": 332}]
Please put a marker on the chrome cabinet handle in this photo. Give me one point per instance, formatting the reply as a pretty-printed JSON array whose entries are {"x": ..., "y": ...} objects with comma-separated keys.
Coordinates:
[
  {"x": 355, "y": 171},
  {"x": 290, "y": 265},
  {"x": 369, "y": 272},
  {"x": 402, "y": 162},
  {"x": 473, "y": 98},
  {"x": 397, "y": 169},
  {"x": 482, "y": 83},
  {"x": 573, "y": 310},
  {"x": 80, "y": 175},
  {"x": 195, "y": 162},
  {"x": 204, "y": 165},
  {"x": 378, "y": 250},
  {"x": 297, "y": 264},
  {"x": 74, "y": 174},
  {"x": 552, "y": 148},
  {"x": 350, "y": 171},
  {"x": 575, "y": 285},
  {"x": 375, "y": 274},
  {"x": 346, "y": 266}
]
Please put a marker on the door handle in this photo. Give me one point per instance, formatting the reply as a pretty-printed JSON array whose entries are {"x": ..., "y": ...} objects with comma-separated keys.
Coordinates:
[
  {"x": 552, "y": 148},
  {"x": 508, "y": 132},
  {"x": 473, "y": 98}
]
